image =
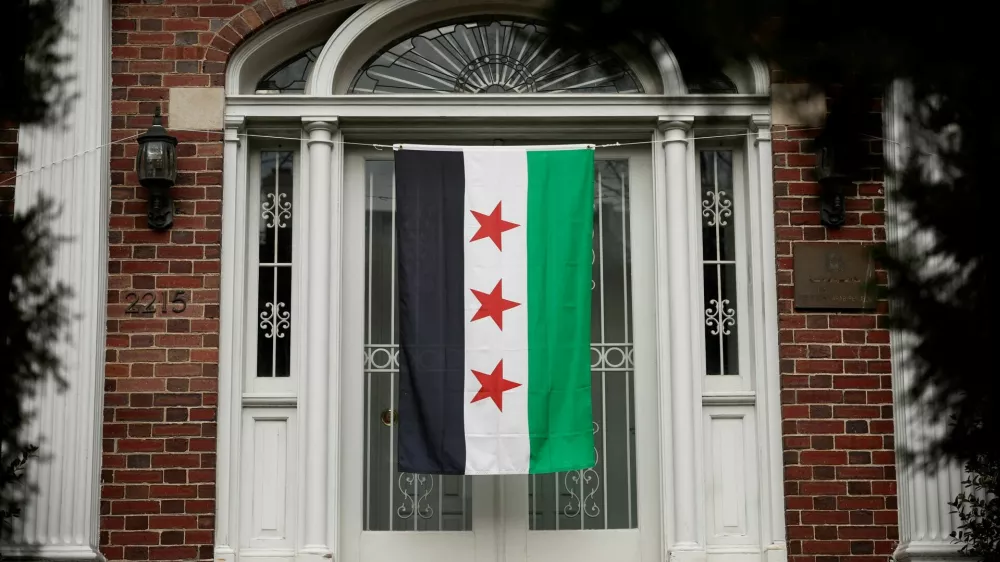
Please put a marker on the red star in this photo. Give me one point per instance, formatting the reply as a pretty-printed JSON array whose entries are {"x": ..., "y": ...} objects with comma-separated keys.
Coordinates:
[
  {"x": 493, "y": 304},
  {"x": 493, "y": 385},
  {"x": 492, "y": 226}
]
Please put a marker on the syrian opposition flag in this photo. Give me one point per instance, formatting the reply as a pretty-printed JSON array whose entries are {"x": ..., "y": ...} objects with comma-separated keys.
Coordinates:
[{"x": 494, "y": 268}]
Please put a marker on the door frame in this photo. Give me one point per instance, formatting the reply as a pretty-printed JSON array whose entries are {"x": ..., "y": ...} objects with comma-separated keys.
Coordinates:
[{"x": 645, "y": 119}]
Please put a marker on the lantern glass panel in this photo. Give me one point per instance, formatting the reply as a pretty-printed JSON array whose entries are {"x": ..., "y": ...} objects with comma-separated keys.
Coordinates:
[{"x": 157, "y": 161}]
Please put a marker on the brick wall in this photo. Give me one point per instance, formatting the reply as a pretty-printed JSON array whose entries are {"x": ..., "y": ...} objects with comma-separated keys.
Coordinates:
[
  {"x": 840, "y": 479},
  {"x": 162, "y": 368}
]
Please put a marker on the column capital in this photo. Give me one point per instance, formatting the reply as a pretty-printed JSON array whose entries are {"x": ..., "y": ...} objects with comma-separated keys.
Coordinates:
[
  {"x": 675, "y": 122},
  {"x": 328, "y": 124},
  {"x": 760, "y": 123},
  {"x": 233, "y": 126}
]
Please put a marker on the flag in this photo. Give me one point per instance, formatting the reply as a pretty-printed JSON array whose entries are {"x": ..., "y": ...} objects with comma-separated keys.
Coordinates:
[{"x": 494, "y": 268}]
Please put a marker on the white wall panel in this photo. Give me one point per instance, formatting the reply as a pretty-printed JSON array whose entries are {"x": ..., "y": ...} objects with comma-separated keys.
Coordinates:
[
  {"x": 731, "y": 483},
  {"x": 268, "y": 483}
]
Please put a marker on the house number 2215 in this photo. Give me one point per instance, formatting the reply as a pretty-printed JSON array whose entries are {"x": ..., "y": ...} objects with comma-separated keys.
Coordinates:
[{"x": 146, "y": 303}]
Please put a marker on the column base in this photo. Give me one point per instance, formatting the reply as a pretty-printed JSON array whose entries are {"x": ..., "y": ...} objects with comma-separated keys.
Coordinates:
[
  {"x": 776, "y": 552},
  {"x": 224, "y": 553},
  {"x": 682, "y": 552},
  {"x": 52, "y": 553},
  {"x": 928, "y": 551},
  {"x": 314, "y": 553}
]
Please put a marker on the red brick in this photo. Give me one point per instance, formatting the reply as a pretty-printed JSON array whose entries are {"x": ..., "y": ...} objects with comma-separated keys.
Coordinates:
[
  {"x": 823, "y": 457},
  {"x": 119, "y": 507},
  {"x": 135, "y": 537},
  {"x": 173, "y": 552},
  {"x": 173, "y": 522}
]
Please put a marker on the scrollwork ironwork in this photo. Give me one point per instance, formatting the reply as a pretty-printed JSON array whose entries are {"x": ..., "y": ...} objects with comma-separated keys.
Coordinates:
[
  {"x": 716, "y": 207},
  {"x": 576, "y": 483},
  {"x": 275, "y": 211},
  {"x": 719, "y": 316},
  {"x": 415, "y": 489},
  {"x": 275, "y": 321}
]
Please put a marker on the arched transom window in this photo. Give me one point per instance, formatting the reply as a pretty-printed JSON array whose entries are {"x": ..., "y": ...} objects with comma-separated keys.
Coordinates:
[{"x": 491, "y": 56}]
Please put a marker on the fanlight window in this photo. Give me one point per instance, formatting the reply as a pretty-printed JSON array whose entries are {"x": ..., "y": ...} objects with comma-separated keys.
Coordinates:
[
  {"x": 492, "y": 57},
  {"x": 290, "y": 77}
]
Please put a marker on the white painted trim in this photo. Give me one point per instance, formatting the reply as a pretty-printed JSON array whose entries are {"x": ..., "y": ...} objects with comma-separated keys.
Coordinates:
[
  {"x": 587, "y": 108},
  {"x": 761, "y": 77},
  {"x": 764, "y": 287},
  {"x": 231, "y": 338},
  {"x": 61, "y": 519}
]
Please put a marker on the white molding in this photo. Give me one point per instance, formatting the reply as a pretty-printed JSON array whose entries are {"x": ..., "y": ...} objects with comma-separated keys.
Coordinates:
[
  {"x": 584, "y": 107},
  {"x": 764, "y": 284},
  {"x": 925, "y": 519},
  {"x": 927, "y": 551},
  {"x": 761, "y": 74},
  {"x": 231, "y": 337},
  {"x": 62, "y": 516}
]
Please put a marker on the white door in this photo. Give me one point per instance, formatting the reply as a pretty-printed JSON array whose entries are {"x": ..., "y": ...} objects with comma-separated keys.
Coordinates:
[{"x": 610, "y": 512}]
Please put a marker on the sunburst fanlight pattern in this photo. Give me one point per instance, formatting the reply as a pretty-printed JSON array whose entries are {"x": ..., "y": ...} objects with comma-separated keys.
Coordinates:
[{"x": 492, "y": 57}]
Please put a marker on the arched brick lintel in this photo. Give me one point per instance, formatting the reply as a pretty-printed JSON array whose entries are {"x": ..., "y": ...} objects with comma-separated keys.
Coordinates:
[{"x": 242, "y": 25}]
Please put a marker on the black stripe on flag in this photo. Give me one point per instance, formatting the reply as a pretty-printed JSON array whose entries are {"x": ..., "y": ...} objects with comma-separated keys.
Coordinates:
[{"x": 430, "y": 203}]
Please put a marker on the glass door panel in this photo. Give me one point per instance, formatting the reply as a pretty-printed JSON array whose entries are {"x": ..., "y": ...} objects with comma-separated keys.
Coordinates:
[{"x": 394, "y": 501}]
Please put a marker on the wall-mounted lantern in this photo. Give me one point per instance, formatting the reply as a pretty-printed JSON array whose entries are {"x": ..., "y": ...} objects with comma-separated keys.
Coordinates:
[
  {"x": 156, "y": 165},
  {"x": 833, "y": 184}
]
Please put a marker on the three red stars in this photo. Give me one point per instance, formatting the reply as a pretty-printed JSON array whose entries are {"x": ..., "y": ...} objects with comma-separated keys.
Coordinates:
[
  {"x": 493, "y": 304},
  {"x": 492, "y": 226},
  {"x": 493, "y": 385}
]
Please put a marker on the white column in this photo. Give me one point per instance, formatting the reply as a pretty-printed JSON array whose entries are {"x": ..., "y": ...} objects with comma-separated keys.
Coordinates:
[
  {"x": 684, "y": 541},
  {"x": 316, "y": 404},
  {"x": 232, "y": 299},
  {"x": 925, "y": 520},
  {"x": 61, "y": 519}
]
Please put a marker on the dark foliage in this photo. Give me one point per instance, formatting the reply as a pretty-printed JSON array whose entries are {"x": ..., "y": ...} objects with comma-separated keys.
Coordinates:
[
  {"x": 11, "y": 477},
  {"x": 978, "y": 507},
  {"x": 32, "y": 320},
  {"x": 851, "y": 51},
  {"x": 31, "y": 89}
]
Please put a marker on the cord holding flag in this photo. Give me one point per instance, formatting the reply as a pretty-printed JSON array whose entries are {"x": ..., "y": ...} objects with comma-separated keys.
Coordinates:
[{"x": 494, "y": 266}]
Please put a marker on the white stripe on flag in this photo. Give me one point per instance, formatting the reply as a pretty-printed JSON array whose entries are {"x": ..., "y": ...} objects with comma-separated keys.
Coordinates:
[{"x": 496, "y": 442}]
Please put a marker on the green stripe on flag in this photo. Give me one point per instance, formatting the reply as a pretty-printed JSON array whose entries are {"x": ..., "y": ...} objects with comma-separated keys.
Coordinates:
[{"x": 560, "y": 239}]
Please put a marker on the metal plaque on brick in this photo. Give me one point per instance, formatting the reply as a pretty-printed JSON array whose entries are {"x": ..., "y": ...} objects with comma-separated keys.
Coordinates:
[{"x": 833, "y": 276}]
